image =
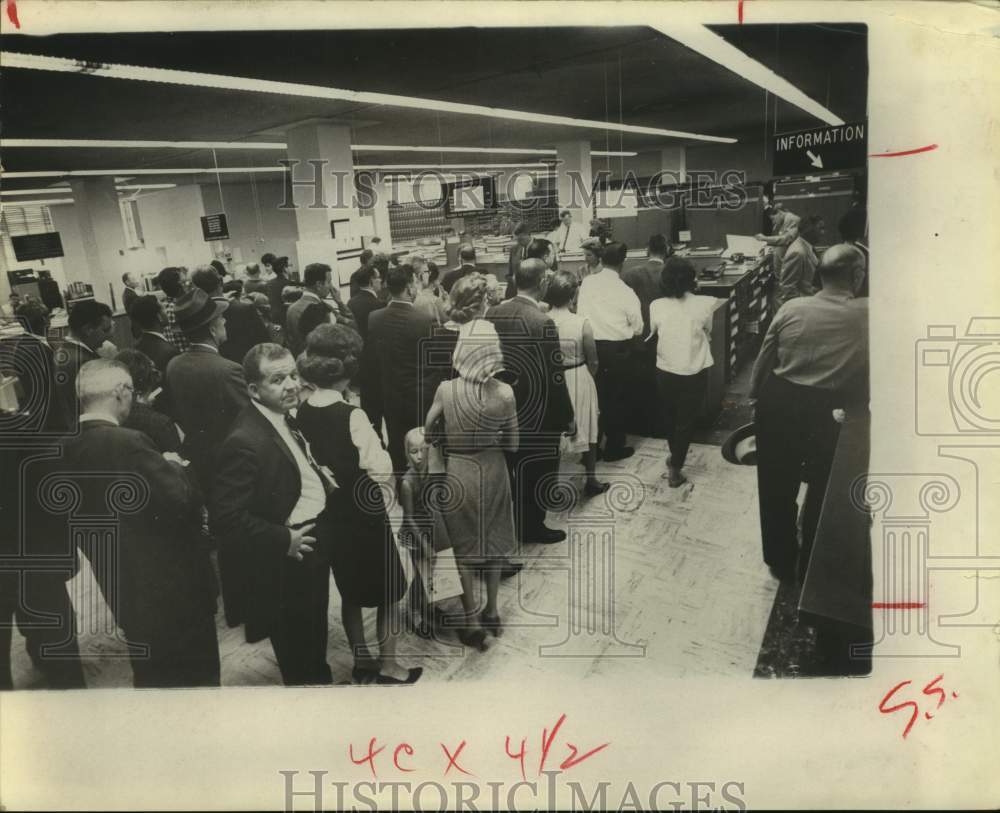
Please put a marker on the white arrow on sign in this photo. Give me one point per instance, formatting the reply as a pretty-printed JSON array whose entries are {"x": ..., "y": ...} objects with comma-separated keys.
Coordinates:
[{"x": 815, "y": 160}]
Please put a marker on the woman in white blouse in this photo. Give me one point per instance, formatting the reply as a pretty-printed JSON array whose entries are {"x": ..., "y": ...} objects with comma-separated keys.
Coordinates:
[
  {"x": 682, "y": 323},
  {"x": 365, "y": 563}
]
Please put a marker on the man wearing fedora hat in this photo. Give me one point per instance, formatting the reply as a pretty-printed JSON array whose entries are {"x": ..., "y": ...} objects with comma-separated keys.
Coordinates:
[
  {"x": 207, "y": 391},
  {"x": 813, "y": 360}
]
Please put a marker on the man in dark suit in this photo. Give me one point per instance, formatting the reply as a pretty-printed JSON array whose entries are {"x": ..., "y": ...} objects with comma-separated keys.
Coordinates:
[
  {"x": 206, "y": 391},
  {"x": 90, "y": 326},
  {"x": 366, "y": 299},
  {"x": 244, "y": 327},
  {"x": 279, "y": 265},
  {"x": 147, "y": 314},
  {"x": 392, "y": 354},
  {"x": 33, "y": 363},
  {"x": 530, "y": 346},
  {"x": 268, "y": 512},
  {"x": 467, "y": 265},
  {"x": 645, "y": 416},
  {"x": 317, "y": 286},
  {"x": 518, "y": 252},
  {"x": 38, "y": 559},
  {"x": 156, "y": 575},
  {"x": 130, "y": 293}
]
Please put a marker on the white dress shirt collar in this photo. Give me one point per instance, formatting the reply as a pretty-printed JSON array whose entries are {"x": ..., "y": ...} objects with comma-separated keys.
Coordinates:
[{"x": 99, "y": 416}]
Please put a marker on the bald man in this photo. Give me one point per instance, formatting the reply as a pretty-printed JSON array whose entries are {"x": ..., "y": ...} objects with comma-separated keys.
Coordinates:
[
  {"x": 155, "y": 574},
  {"x": 813, "y": 360}
]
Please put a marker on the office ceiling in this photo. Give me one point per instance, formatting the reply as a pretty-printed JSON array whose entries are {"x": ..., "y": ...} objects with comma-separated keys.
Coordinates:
[{"x": 635, "y": 75}]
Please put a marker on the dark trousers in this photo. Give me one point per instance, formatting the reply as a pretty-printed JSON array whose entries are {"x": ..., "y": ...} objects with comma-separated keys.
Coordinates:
[
  {"x": 299, "y": 636},
  {"x": 371, "y": 403},
  {"x": 680, "y": 400},
  {"x": 796, "y": 439},
  {"x": 399, "y": 419},
  {"x": 612, "y": 391},
  {"x": 533, "y": 471},
  {"x": 644, "y": 414},
  {"x": 185, "y": 654},
  {"x": 40, "y": 605}
]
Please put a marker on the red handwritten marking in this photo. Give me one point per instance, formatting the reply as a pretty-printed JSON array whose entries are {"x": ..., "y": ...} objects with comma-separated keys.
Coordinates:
[
  {"x": 928, "y": 148},
  {"x": 739, "y": 10},
  {"x": 931, "y": 689},
  {"x": 370, "y": 759},
  {"x": 453, "y": 759},
  {"x": 898, "y": 605},
  {"x": 572, "y": 759},
  {"x": 547, "y": 743},
  {"x": 395, "y": 756},
  {"x": 12, "y": 13},
  {"x": 518, "y": 756},
  {"x": 890, "y": 709}
]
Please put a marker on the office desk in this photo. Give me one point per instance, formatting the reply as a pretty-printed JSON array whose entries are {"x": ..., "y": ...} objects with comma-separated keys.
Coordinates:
[{"x": 837, "y": 590}]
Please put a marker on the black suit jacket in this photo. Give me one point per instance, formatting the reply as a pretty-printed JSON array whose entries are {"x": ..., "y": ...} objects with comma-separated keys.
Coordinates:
[
  {"x": 530, "y": 344},
  {"x": 164, "y": 577},
  {"x": 159, "y": 350},
  {"x": 453, "y": 276},
  {"x": 257, "y": 485},
  {"x": 69, "y": 358},
  {"x": 397, "y": 337},
  {"x": 206, "y": 394},
  {"x": 42, "y": 408},
  {"x": 362, "y": 304},
  {"x": 128, "y": 297},
  {"x": 274, "y": 287},
  {"x": 244, "y": 329}
]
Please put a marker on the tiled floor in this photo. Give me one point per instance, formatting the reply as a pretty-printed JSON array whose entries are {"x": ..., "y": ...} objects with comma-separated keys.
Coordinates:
[{"x": 652, "y": 578}]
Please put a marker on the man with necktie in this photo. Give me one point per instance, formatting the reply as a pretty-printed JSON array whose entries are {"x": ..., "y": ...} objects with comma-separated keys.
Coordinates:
[
  {"x": 569, "y": 234},
  {"x": 268, "y": 511}
]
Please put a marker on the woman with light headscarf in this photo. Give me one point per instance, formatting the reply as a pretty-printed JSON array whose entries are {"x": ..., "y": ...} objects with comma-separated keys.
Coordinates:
[{"x": 480, "y": 424}]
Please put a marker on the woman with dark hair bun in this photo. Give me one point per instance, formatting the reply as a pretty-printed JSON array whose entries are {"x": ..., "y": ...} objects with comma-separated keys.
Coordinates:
[
  {"x": 364, "y": 559},
  {"x": 682, "y": 322},
  {"x": 145, "y": 415}
]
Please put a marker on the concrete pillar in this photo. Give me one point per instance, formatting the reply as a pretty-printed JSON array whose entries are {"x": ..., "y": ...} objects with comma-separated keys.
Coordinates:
[
  {"x": 674, "y": 160},
  {"x": 574, "y": 180},
  {"x": 101, "y": 233},
  {"x": 322, "y": 191}
]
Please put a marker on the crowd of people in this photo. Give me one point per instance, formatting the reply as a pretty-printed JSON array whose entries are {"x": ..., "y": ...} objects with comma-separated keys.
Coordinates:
[{"x": 268, "y": 429}]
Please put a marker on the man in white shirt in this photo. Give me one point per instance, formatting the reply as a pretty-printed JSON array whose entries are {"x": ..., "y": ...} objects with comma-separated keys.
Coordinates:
[
  {"x": 569, "y": 234},
  {"x": 615, "y": 316},
  {"x": 268, "y": 512}
]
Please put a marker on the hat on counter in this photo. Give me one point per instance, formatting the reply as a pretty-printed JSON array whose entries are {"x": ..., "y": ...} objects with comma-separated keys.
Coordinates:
[
  {"x": 741, "y": 446},
  {"x": 195, "y": 309}
]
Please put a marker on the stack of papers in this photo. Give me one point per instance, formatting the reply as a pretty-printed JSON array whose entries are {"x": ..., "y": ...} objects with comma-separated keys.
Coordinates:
[{"x": 743, "y": 244}]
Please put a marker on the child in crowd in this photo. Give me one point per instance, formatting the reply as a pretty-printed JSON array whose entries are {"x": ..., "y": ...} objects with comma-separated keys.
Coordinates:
[{"x": 423, "y": 533}]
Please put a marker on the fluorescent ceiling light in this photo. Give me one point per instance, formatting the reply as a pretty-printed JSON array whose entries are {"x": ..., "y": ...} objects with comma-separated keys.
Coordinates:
[
  {"x": 449, "y": 166},
  {"x": 65, "y": 188},
  {"x": 174, "y": 171},
  {"x": 485, "y": 150},
  {"x": 711, "y": 45},
  {"x": 83, "y": 143},
  {"x": 44, "y": 202},
  {"x": 220, "y": 82},
  {"x": 106, "y": 143}
]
